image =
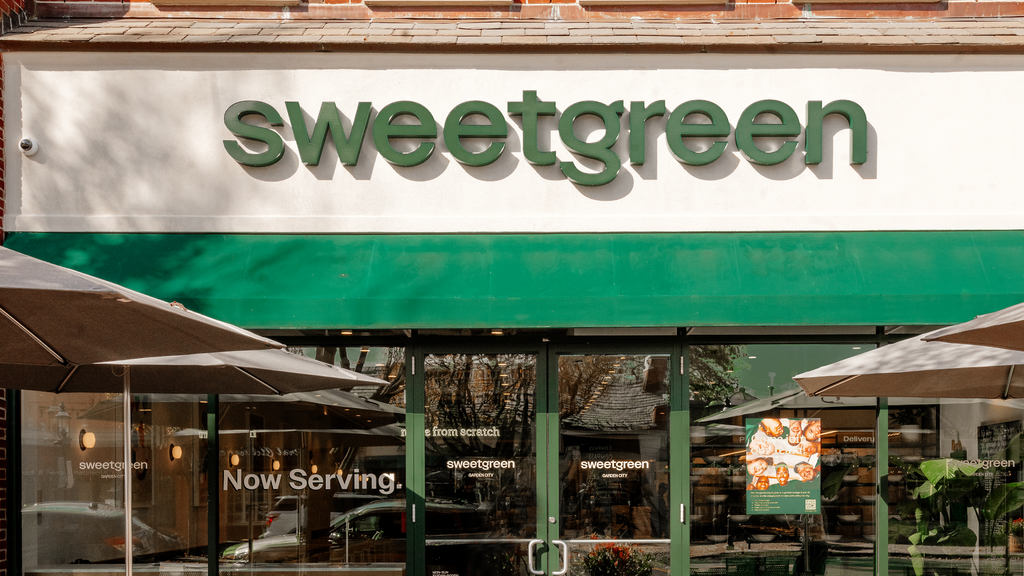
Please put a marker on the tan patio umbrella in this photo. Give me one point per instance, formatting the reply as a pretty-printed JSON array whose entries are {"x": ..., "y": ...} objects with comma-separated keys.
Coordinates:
[
  {"x": 1000, "y": 329},
  {"x": 54, "y": 316},
  {"x": 916, "y": 368},
  {"x": 64, "y": 331}
]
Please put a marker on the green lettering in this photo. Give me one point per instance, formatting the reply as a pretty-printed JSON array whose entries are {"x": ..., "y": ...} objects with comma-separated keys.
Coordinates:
[
  {"x": 857, "y": 120},
  {"x": 747, "y": 129},
  {"x": 638, "y": 116},
  {"x": 455, "y": 130},
  {"x": 312, "y": 147},
  {"x": 530, "y": 109},
  {"x": 275, "y": 144},
  {"x": 384, "y": 131},
  {"x": 600, "y": 150},
  {"x": 677, "y": 129}
]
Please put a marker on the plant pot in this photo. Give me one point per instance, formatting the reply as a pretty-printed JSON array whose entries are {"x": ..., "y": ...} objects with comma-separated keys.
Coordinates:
[{"x": 910, "y": 434}]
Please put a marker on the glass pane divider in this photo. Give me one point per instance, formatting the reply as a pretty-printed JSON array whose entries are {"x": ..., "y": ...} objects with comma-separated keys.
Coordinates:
[
  {"x": 416, "y": 487},
  {"x": 679, "y": 461}
]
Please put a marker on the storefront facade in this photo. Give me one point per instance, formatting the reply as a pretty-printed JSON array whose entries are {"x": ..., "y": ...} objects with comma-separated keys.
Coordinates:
[{"x": 580, "y": 277}]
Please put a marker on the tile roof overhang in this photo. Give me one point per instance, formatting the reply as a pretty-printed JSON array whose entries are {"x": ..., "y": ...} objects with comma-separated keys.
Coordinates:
[{"x": 995, "y": 35}]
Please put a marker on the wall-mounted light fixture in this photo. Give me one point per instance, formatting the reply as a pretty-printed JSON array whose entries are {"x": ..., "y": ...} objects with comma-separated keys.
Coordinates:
[
  {"x": 175, "y": 452},
  {"x": 86, "y": 440},
  {"x": 313, "y": 469},
  {"x": 234, "y": 460},
  {"x": 276, "y": 465}
]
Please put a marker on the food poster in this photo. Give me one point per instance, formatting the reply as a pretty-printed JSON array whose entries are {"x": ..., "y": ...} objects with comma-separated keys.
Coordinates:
[{"x": 783, "y": 472}]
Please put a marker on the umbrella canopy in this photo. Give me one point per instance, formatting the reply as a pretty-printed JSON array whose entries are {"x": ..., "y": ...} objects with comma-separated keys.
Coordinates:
[
  {"x": 1000, "y": 329},
  {"x": 245, "y": 372},
  {"x": 916, "y": 368},
  {"x": 53, "y": 316}
]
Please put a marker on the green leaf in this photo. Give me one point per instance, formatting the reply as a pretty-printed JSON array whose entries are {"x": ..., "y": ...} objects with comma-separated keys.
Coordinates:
[
  {"x": 946, "y": 469},
  {"x": 926, "y": 490},
  {"x": 1003, "y": 500},
  {"x": 832, "y": 483}
]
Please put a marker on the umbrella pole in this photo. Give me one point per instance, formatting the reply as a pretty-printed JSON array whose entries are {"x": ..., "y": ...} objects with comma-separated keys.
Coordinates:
[{"x": 127, "y": 407}]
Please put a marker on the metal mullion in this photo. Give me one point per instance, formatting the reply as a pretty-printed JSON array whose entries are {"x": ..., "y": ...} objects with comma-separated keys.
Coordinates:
[
  {"x": 212, "y": 486},
  {"x": 882, "y": 481},
  {"x": 415, "y": 464},
  {"x": 679, "y": 461},
  {"x": 548, "y": 494}
]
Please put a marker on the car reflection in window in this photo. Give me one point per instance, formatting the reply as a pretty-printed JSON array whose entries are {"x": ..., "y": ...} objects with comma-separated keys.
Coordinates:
[{"x": 372, "y": 533}]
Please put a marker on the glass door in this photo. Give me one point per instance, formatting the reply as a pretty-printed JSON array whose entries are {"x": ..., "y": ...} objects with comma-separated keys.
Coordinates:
[
  {"x": 613, "y": 464},
  {"x": 480, "y": 492},
  {"x": 547, "y": 464}
]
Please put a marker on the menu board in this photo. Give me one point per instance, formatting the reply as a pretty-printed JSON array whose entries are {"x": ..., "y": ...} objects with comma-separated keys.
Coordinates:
[{"x": 783, "y": 472}]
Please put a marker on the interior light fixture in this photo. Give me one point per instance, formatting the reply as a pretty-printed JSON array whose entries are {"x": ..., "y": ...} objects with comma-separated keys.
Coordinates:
[
  {"x": 175, "y": 452},
  {"x": 86, "y": 440},
  {"x": 276, "y": 465},
  {"x": 313, "y": 469},
  {"x": 346, "y": 332},
  {"x": 235, "y": 460},
  {"x": 496, "y": 332}
]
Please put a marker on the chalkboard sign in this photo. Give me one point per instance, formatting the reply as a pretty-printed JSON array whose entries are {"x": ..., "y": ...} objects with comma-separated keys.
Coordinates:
[{"x": 994, "y": 441}]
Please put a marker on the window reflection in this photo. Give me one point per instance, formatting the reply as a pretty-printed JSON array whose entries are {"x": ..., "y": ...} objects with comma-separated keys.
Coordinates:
[
  {"x": 954, "y": 469},
  {"x": 72, "y": 480},
  {"x": 316, "y": 477},
  {"x": 480, "y": 426},
  {"x": 613, "y": 453},
  {"x": 734, "y": 389}
]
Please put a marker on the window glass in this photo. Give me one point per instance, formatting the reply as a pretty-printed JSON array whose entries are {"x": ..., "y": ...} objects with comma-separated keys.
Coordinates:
[
  {"x": 481, "y": 466},
  {"x": 72, "y": 480},
  {"x": 954, "y": 469},
  {"x": 316, "y": 477},
  {"x": 613, "y": 454},
  {"x": 780, "y": 483}
]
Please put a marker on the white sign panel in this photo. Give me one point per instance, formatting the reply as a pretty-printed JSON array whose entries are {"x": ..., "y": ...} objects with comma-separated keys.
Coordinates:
[{"x": 139, "y": 143}]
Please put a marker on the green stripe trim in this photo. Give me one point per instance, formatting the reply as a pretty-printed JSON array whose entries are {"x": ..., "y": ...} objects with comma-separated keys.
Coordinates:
[{"x": 521, "y": 280}]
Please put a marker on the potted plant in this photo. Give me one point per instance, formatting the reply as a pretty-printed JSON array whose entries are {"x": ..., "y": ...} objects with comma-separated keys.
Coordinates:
[
  {"x": 1015, "y": 536},
  {"x": 907, "y": 421},
  {"x": 618, "y": 560}
]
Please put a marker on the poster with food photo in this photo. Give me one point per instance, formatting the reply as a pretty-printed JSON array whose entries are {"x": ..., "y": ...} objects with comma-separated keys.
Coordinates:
[{"x": 783, "y": 472}]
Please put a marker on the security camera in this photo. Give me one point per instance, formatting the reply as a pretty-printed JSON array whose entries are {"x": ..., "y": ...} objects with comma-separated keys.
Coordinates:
[{"x": 28, "y": 146}]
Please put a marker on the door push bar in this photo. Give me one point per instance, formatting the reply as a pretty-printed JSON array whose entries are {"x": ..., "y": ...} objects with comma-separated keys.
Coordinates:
[
  {"x": 565, "y": 558},
  {"x": 530, "y": 562},
  {"x": 529, "y": 558}
]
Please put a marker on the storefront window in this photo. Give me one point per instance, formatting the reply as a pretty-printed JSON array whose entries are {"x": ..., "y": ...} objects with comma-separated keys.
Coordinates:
[
  {"x": 72, "y": 481},
  {"x": 781, "y": 483},
  {"x": 317, "y": 477},
  {"x": 955, "y": 505}
]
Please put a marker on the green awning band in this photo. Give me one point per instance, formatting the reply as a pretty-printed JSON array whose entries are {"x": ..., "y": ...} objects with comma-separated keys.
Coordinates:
[{"x": 561, "y": 280}]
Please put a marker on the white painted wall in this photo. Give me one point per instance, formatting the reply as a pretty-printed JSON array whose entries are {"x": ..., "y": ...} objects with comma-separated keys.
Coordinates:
[{"x": 133, "y": 143}]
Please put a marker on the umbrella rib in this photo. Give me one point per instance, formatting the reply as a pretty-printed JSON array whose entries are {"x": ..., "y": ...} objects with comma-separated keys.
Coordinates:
[
  {"x": 66, "y": 379},
  {"x": 834, "y": 384},
  {"x": 1006, "y": 391},
  {"x": 256, "y": 378},
  {"x": 33, "y": 336}
]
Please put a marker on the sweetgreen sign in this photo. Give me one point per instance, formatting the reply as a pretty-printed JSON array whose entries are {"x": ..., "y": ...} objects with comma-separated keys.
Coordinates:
[{"x": 410, "y": 121}]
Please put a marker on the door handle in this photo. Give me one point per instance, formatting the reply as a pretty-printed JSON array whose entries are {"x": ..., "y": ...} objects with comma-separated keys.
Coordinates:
[
  {"x": 529, "y": 558},
  {"x": 565, "y": 558}
]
